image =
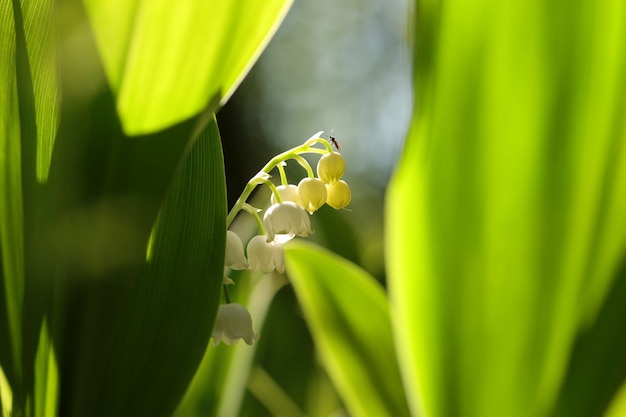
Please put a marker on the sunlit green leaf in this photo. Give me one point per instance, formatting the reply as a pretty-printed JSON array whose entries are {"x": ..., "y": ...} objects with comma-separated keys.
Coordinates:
[
  {"x": 348, "y": 315},
  {"x": 167, "y": 62},
  {"x": 506, "y": 219},
  {"x": 29, "y": 118},
  {"x": 47, "y": 378}
]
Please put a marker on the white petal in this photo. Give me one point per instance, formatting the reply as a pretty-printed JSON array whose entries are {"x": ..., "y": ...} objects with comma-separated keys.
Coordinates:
[
  {"x": 235, "y": 257},
  {"x": 286, "y": 218},
  {"x": 233, "y": 322}
]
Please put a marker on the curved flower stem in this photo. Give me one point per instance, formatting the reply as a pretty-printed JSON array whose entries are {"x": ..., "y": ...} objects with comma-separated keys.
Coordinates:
[
  {"x": 293, "y": 153},
  {"x": 255, "y": 213},
  {"x": 272, "y": 187},
  {"x": 324, "y": 142},
  {"x": 283, "y": 176},
  {"x": 304, "y": 164}
]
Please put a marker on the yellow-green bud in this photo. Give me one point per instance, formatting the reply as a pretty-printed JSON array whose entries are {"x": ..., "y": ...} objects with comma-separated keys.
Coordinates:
[
  {"x": 312, "y": 192},
  {"x": 338, "y": 194},
  {"x": 330, "y": 167}
]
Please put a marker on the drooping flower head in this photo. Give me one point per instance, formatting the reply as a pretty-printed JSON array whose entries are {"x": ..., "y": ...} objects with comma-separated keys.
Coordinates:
[
  {"x": 233, "y": 322},
  {"x": 235, "y": 257},
  {"x": 286, "y": 218},
  {"x": 312, "y": 192},
  {"x": 265, "y": 256},
  {"x": 339, "y": 194},
  {"x": 330, "y": 167}
]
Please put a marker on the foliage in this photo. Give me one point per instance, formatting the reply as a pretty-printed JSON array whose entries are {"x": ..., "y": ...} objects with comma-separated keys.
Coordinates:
[
  {"x": 112, "y": 196},
  {"x": 505, "y": 220}
]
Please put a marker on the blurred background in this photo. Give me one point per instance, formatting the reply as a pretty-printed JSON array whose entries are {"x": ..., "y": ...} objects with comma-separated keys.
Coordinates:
[{"x": 332, "y": 66}]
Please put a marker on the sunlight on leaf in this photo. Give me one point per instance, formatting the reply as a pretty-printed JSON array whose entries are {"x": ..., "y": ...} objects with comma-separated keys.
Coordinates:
[
  {"x": 506, "y": 219},
  {"x": 6, "y": 395},
  {"x": 47, "y": 378},
  {"x": 348, "y": 315},
  {"x": 167, "y": 63}
]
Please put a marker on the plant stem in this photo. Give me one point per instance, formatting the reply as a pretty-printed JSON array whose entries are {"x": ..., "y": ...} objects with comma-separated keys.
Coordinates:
[{"x": 293, "y": 153}]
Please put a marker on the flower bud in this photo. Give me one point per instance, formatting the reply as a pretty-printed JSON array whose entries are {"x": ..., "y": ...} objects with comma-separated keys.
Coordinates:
[
  {"x": 312, "y": 192},
  {"x": 233, "y": 322},
  {"x": 265, "y": 256},
  {"x": 330, "y": 167},
  {"x": 235, "y": 258},
  {"x": 287, "y": 192},
  {"x": 339, "y": 194},
  {"x": 286, "y": 218}
]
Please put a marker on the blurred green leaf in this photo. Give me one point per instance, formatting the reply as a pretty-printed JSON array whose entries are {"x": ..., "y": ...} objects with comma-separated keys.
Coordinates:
[
  {"x": 597, "y": 364},
  {"x": 47, "y": 379},
  {"x": 29, "y": 120},
  {"x": 506, "y": 218},
  {"x": 618, "y": 405},
  {"x": 11, "y": 201},
  {"x": 348, "y": 315},
  {"x": 167, "y": 62}
]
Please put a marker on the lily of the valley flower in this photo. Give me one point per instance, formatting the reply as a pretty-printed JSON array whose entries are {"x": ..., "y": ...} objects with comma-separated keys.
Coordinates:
[
  {"x": 235, "y": 258},
  {"x": 265, "y": 256},
  {"x": 312, "y": 192},
  {"x": 287, "y": 192},
  {"x": 330, "y": 167},
  {"x": 339, "y": 194},
  {"x": 286, "y": 218},
  {"x": 233, "y": 322}
]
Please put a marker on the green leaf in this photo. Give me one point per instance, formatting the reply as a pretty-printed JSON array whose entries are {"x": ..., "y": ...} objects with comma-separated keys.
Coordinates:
[
  {"x": 597, "y": 364},
  {"x": 348, "y": 315},
  {"x": 11, "y": 201},
  {"x": 160, "y": 348},
  {"x": 47, "y": 379},
  {"x": 506, "y": 218},
  {"x": 168, "y": 63},
  {"x": 150, "y": 329},
  {"x": 29, "y": 120}
]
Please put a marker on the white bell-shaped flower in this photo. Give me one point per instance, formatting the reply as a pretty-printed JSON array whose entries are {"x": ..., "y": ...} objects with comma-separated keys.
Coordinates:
[
  {"x": 286, "y": 218},
  {"x": 287, "y": 192},
  {"x": 235, "y": 257},
  {"x": 265, "y": 256},
  {"x": 233, "y": 322}
]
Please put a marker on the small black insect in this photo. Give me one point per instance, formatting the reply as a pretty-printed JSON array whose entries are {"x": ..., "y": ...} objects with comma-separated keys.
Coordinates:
[{"x": 334, "y": 142}]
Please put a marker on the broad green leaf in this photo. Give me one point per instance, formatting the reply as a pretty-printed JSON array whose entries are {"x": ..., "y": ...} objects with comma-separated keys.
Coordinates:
[
  {"x": 128, "y": 322},
  {"x": 167, "y": 62},
  {"x": 506, "y": 218},
  {"x": 184, "y": 274},
  {"x": 150, "y": 328},
  {"x": 348, "y": 315}
]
